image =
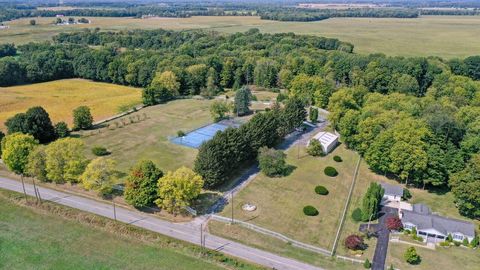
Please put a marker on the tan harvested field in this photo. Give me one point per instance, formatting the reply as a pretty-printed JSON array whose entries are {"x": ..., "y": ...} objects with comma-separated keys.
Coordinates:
[
  {"x": 445, "y": 36},
  {"x": 60, "y": 97},
  {"x": 280, "y": 201}
]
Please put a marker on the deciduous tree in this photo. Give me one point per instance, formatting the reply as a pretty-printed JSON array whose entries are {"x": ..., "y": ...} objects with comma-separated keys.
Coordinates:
[
  {"x": 65, "y": 160},
  {"x": 100, "y": 175},
  {"x": 82, "y": 118},
  {"x": 178, "y": 189},
  {"x": 272, "y": 162},
  {"x": 16, "y": 148},
  {"x": 141, "y": 184},
  {"x": 36, "y": 165}
]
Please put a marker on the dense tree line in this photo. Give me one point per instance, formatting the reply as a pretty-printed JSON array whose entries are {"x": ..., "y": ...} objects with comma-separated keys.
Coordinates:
[
  {"x": 469, "y": 66},
  {"x": 197, "y": 59},
  {"x": 423, "y": 140},
  {"x": 305, "y": 14},
  {"x": 235, "y": 147}
]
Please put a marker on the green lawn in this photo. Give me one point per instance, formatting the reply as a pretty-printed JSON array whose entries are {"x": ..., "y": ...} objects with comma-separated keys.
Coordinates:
[
  {"x": 261, "y": 241},
  {"x": 441, "y": 258},
  {"x": 445, "y": 36},
  {"x": 31, "y": 238},
  {"x": 364, "y": 178},
  {"x": 149, "y": 139},
  {"x": 280, "y": 201}
]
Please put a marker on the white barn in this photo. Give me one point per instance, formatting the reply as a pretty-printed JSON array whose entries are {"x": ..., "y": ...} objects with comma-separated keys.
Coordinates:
[{"x": 327, "y": 140}]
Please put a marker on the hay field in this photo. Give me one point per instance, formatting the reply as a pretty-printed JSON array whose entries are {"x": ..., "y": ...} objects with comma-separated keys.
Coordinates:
[
  {"x": 60, "y": 97},
  {"x": 445, "y": 36}
]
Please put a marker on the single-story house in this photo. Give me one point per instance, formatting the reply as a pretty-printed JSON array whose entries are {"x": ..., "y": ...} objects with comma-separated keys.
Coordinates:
[
  {"x": 327, "y": 140},
  {"x": 435, "y": 228},
  {"x": 393, "y": 193}
]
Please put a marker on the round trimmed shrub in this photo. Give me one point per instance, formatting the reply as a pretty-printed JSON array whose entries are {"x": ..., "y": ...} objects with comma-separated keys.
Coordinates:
[
  {"x": 337, "y": 158},
  {"x": 331, "y": 171},
  {"x": 357, "y": 215},
  {"x": 321, "y": 190},
  {"x": 310, "y": 211},
  {"x": 100, "y": 151}
]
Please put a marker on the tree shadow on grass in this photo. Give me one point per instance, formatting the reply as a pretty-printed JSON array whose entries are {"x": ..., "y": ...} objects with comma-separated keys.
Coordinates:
[
  {"x": 289, "y": 170},
  {"x": 205, "y": 201}
]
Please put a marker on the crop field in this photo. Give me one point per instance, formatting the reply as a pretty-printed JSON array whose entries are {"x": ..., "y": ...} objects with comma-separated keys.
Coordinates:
[
  {"x": 60, "y": 97},
  {"x": 31, "y": 238},
  {"x": 280, "y": 201},
  {"x": 149, "y": 138},
  {"x": 445, "y": 36}
]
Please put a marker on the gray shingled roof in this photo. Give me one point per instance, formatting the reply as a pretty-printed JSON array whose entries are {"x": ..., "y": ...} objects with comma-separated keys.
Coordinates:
[
  {"x": 392, "y": 190},
  {"x": 424, "y": 220}
]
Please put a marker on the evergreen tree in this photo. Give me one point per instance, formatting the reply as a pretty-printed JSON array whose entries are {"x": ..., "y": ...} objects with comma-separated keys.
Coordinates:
[
  {"x": 242, "y": 100},
  {"x": 371, "y": 201}
]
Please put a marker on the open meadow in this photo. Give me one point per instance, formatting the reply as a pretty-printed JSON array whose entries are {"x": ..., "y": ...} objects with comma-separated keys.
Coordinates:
[
  {"x": 33, "y": 238},
  {"x": 280, "y": 201},
  {"x": 149, "y": 138},
  {"x": 60, "y": 98},
  {"x": 444, "y": 36}
]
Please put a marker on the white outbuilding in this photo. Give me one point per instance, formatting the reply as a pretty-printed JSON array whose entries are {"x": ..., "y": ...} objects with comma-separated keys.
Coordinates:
[{"x": 327, "y": 140}]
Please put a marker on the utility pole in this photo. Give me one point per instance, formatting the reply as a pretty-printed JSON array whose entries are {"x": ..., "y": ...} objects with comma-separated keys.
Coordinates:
[
  {"x": 298, "y": 150},
  {"x": 201, "y": 235},
  {"x": 39, "y": 197},
  {"x": 35, "y": 189},
  {"x": 231, "y": 202},
  {"x": 114, "y": 211},
  {"x": 23, "y": 185},
  {"x": 369, "y": 220}
]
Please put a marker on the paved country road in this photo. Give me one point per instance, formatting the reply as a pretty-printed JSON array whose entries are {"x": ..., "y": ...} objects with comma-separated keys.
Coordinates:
[{"x": 189, "y": 232}]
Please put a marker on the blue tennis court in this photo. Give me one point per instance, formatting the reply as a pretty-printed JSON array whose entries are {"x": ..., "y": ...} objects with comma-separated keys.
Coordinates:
[{"x": 196, "y": 137}]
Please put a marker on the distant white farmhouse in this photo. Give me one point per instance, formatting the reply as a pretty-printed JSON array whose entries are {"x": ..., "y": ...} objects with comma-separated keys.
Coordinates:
[{"x": 327, "y": 140}]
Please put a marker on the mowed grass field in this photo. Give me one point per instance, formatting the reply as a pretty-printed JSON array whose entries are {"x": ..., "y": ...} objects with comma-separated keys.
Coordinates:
[
  {"x": 149, "y": 139},
  {"x": 37, "y": 239},
  {"x": 445, "y": 36},
  {"x": 261, "y": 241},
  {"x": 280, "y": 201},
  {"x": 61, "y": 97},
  {"x": 441, "y": 258}
]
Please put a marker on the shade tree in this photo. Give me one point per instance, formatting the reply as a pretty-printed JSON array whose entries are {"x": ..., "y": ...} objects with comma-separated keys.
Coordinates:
[
  {"x": 141, "y": 184},
  {"x": 177, "y": 190},
  {"x": 16, "y": 148},
  {"x": 99, "y": 175}
]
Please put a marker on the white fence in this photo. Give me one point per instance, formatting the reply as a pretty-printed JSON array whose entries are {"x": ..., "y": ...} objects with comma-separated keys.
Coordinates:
[{"x": 274, "y": 234}]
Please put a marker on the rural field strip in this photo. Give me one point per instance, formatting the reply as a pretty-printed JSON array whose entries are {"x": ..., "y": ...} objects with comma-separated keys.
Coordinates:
[
  {"x": 273, "y": 234},
  {"x": 346, "y": 206},
  {"x": 183, "y": 231}
]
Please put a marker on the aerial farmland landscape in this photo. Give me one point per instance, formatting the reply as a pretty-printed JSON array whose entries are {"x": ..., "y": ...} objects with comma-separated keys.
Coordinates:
[{"x": 221, "y": 134}]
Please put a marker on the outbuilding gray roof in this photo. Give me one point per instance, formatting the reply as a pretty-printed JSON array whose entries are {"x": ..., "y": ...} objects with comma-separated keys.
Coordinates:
[
  {"x": 392, "y": 190},
  {"x": 424, "y": 220}
]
